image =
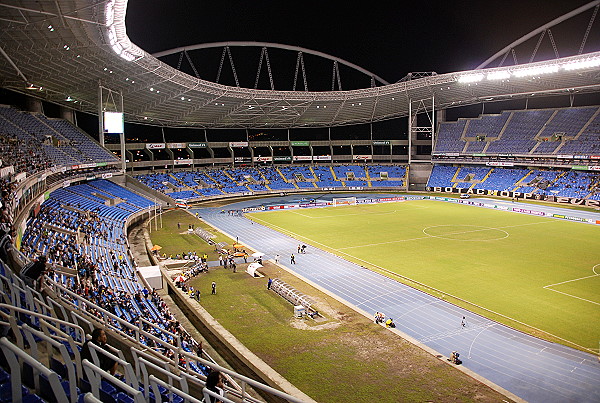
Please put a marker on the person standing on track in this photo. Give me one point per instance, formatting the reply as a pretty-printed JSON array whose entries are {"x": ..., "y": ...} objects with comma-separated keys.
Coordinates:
[{"x": 293, "y": 259}]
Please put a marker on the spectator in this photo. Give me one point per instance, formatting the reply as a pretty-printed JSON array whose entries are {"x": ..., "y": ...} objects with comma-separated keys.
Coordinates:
[
  {"x": 99, "y": 339},
  {"x": 214, "y": 383},
  {"x": 33, "y": 272}
]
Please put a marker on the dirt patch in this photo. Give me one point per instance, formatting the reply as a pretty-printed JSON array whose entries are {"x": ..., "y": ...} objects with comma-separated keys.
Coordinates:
[{"x": 303, "y": 324}]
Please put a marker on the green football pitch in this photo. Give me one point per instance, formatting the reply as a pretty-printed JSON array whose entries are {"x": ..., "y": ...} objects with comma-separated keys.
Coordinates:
[{"x": 535, "y": 273}]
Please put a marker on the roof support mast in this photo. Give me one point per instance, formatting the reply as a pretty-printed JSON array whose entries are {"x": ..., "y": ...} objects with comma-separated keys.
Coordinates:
[
  {"x": 542, "y": 30},
  {"x": 425, "y": 108}
]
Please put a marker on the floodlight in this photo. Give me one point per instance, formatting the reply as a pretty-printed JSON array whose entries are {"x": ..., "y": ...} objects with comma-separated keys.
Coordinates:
[
  {"x": 470, "y": 78},
  {"x": 535, "y": 71},
  {"x": 117, "y": 37},
  {"x": 128, "y": 56},
  {"x": 498, "y": 75},
  {"x": 117, "y": 48},
  {"x": 112, "y": 35},
  {"x": 110, "y": 12},
  {"x": 582, "y": 64}
]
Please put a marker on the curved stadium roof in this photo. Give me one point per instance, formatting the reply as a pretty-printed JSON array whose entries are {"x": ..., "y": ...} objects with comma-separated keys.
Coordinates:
[{"x": 72, "y": 47}]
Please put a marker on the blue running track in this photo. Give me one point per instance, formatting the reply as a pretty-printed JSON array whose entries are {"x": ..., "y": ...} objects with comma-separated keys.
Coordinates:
[{"x": 533, "y": 369}]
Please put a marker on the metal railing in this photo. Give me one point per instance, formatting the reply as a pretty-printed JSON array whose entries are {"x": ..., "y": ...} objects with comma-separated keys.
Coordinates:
[{"x": 175, "y": 351}]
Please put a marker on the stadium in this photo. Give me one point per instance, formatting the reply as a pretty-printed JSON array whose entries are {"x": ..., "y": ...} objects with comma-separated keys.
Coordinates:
[{"x": 166, "y": 235}]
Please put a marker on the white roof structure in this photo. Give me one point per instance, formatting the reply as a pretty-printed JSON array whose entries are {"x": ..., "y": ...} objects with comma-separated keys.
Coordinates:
[
  {"x": 252, "y": 269},
  {"x": 64, "y": 51}
]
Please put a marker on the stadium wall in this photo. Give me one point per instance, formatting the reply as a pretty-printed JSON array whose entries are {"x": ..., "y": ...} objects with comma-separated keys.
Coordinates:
[{"x": 418, "y": 175}]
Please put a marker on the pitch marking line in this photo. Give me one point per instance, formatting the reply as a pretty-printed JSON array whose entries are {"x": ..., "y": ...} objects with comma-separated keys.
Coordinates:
[
  {"x": 451, "y": 233},
  {"x": 548, "y": 287},
  {"x": 480, "y": 229},
  {"x": 383, "y": 243},
  {"x": 362, "y": 213},
  {"x": 342, "y": 215},
  {"x": 297, "y": 236}
]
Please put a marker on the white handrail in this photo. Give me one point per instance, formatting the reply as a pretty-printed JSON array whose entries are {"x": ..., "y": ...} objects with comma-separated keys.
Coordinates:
[
  {"x": 95, "y": 374},
  {"x": 30, "y": 333},
  {"x": 11, "y": 353},
  {"x": 177, "y": 350}
]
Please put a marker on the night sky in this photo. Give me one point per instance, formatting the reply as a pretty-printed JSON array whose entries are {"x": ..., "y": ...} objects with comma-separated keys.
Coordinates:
[{"x": 389, "y": 39}]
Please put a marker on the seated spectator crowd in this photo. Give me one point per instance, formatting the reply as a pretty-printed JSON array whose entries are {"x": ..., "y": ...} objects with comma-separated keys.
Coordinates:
[
  {"x": 548, "y": 182},
  {"x": 209, "y": 182},
  {"x": 94, "y": 243}
]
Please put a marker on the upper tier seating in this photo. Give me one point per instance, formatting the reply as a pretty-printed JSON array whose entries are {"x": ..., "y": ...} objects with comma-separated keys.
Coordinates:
[
  {"x": 565, "y": 122},
  {"x": 518, "y": 137},
  {"x": 449, "y": 139},
  {"x": 486, "y": 125},
  {"x": 566, "y": 131},
  {"x": 587, "y": 139},
  {"x": 79, "y": 140},
  {"x": 59, "y": 140}
]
